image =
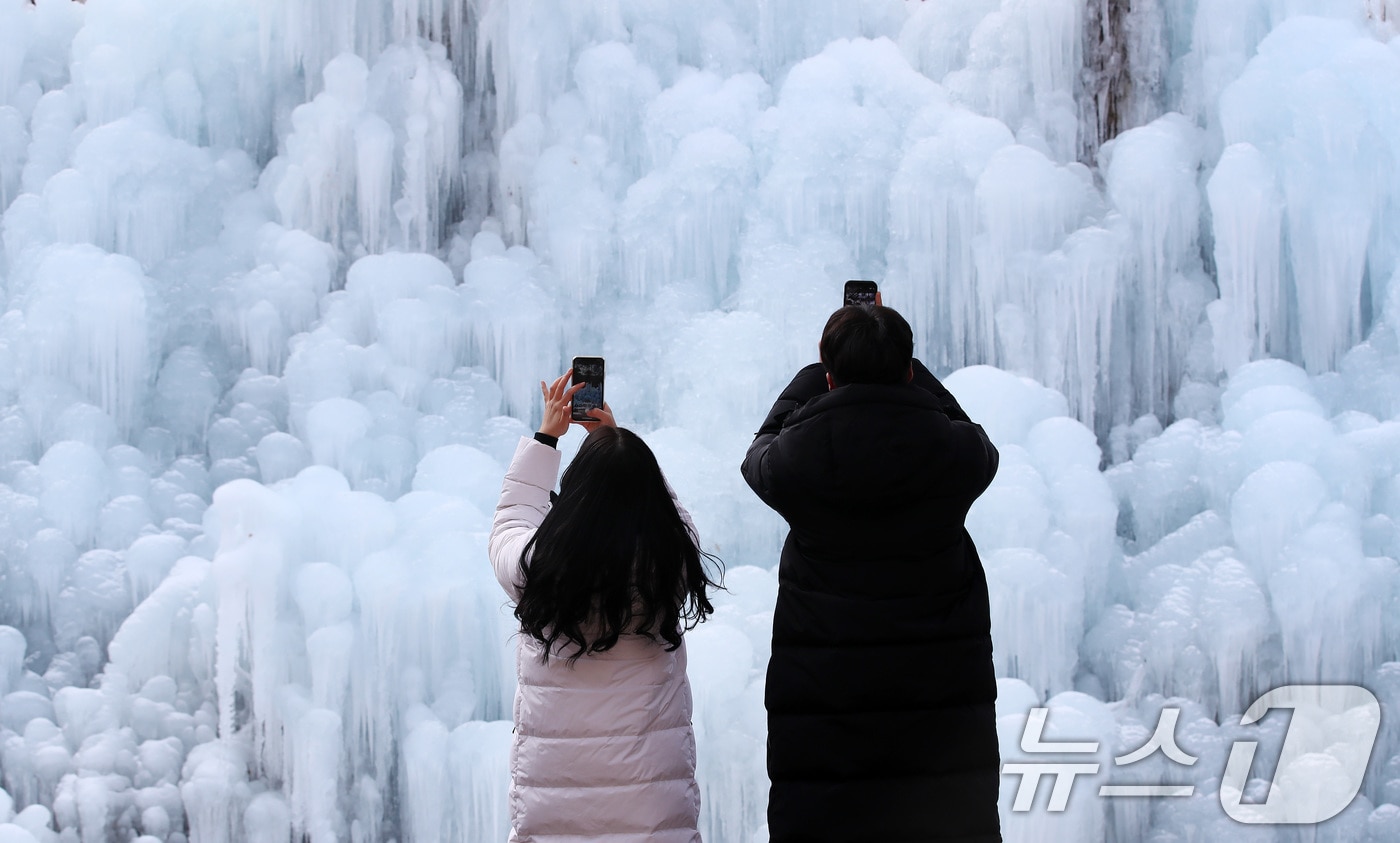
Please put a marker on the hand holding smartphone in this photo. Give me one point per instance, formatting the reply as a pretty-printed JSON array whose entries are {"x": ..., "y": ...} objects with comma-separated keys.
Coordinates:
[
  {"x": 587, "y": 371},
  {"x": 860, "y": 293}
]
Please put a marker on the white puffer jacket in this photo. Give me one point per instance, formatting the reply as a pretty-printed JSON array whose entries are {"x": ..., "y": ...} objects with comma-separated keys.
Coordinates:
[{"x": 604, "y": 749}]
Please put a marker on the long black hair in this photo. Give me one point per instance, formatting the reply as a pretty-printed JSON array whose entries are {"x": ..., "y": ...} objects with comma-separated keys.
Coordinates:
[{"x": 613, "y": 555}]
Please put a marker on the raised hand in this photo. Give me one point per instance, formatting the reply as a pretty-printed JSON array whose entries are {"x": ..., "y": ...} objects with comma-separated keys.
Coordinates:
[{"x": 558, "y": 401}]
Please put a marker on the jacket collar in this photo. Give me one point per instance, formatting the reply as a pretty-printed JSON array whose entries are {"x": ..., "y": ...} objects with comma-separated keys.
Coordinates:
[
  {"x": 871, "y": 442},
  {"x": 856, "y": 395}
]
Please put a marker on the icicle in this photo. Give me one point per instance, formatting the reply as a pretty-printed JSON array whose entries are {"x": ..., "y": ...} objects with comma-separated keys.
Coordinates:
[
  {"x": 338, "y": 171},
  {"x": 685, "y": 224},
  {"x": 1151, "y": 179},
  {"x": 1321, "y": 593},
  {"x": 148, "y": 644},
  {"x": 615, "y": 90},
  {"x": 12, "y": 652},
  {"x": 87, "y": 315},
  {"x": 1236, "y": 624},
  {"x": 75, "y": 485},
  {"x": 418, "y": 86},
  {"x": 324, "y": 594},
  {"x": 315, "y": 748},
  {"x": 379, "y": 584},
  {"x": 1037, "y": 619},
  {"x": 374, "y": 178},
  {"x": 513, "y": 328},
  {"x": 1320, "y": 123},
  {"x": 267, "y": 818},
  {"x": 214, "y": 789},
  {"x": 254, "y": 533},
  {"x": 1026, "y": 206},
  {"x": 478, "y": 762},
  {"x": 1247, "y": 214},
  {"x": 1054, "y": 28},
  {"x": 16, "y": 24},
  {"x": 425, "y": 789},
  {"x": 1076, "y": 318},
  {"x": 932, "y": 223}
]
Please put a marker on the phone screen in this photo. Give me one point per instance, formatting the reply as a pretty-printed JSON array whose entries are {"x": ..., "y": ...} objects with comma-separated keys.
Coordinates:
[
  {"x": 860, "y": 292},
  {"x": 588, "y": 370}
]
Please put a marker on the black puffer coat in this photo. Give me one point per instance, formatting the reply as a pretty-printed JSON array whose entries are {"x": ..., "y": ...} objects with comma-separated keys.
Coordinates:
[{"x": 881, "y": 695}]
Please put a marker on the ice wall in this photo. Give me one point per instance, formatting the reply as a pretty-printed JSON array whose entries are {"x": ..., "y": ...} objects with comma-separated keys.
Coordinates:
[
  {"x": 280, "y": 280},
  {"x": 1308, "y": 101}
]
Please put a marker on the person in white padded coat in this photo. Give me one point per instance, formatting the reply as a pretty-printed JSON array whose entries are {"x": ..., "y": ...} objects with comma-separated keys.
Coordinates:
[{"x": 606, "y": 579}]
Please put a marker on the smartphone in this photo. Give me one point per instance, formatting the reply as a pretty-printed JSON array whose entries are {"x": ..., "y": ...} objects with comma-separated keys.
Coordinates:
[
  {"x": 860, "y": 292},
  {"x": 588, "y": 370}
]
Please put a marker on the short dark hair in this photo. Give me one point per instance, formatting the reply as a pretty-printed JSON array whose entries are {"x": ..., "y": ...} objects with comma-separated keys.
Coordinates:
[
  {"x": 613, "y": 555},
  {"x": 867, "y": 343}
]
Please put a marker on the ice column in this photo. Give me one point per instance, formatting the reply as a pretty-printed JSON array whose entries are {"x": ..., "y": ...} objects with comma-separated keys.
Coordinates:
[
  {"x": 313, "y": 193},
  {"x": 832, "y": 144},
  {"x": 479, "y": 765},
  {"x": 1026, "y": 206},
  {"x": 150, "y": 193},
  {"x": 420, "y": 81},
  {"x": 528, "y": 49},
  {"x": 571, "y": 214},
  {"x": 379, "y": 150},
  {"x": 1076, "y": 317},
  {"x": 1329, "y": 229},
  {"x": 1055, "y": 30},
  {"x": 260, "y": 310},
  {"x": 1225, "y": 34},
  {"x": 615, "y": 89},
  {"x": 933, "y": 218},
  {"x": 315, "y": 747},
  {"x": 87, "y": 320},
  {"x": 936, "y": 35},
  {"x": 1151, "y": 179},
  {"x": 790, "y": 29},
  {"x": 14, "y": 142},
  {"x": 1316, "y": 102},
  {"x": 253, "y": 523},
  {"x": 1247, "y": 214},
  {"x": 685, "y": 222},
  {"x": 15, "y": 24},
  {"x": 513, "y": 326}
]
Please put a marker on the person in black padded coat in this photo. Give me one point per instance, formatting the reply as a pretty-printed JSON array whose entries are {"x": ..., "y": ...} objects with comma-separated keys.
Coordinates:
[{"x": 880, "y": 693}]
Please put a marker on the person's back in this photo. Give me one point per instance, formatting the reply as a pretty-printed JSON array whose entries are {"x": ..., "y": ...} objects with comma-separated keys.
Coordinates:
[
  {"x": 604, "y": 747},
  {"x": 606, "y": 578},
  {"x": 880, "y": 692}
]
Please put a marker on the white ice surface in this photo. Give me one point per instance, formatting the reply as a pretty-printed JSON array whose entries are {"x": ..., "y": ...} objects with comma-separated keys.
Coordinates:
[{"x": 280, "y": 280}]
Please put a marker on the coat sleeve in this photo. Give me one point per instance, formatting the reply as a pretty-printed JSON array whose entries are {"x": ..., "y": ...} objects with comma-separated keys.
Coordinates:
[
  {"x": 925, "y": 380},
  {"x": 809, "y": 383},
  {"x": 523, "y": 505},
  {"x": 977, "y": 459},
  {"x": 979, "y": 456},
  {"x": 993, "y": 461}
]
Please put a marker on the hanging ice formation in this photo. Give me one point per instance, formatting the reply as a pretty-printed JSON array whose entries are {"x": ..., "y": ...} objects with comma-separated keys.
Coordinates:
[{"x": 280, "y": 279}]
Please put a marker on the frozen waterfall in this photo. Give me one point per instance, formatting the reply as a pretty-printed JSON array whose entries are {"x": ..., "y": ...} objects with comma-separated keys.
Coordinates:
[{"x": 280, "y": 277}]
